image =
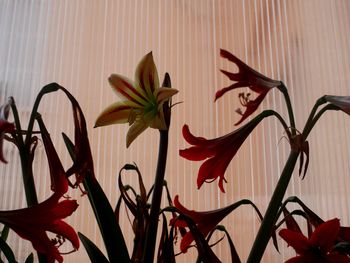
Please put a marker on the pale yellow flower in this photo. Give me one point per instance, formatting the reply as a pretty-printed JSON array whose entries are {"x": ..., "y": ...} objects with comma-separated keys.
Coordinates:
[{"x": 143, "y": 99}]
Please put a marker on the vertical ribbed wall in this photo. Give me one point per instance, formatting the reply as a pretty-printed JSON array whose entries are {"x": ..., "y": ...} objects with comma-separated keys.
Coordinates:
[{"x": 80, "y": 43}]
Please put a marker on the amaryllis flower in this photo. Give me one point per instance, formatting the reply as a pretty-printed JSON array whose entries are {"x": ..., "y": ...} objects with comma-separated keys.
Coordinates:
[
  {"x": 246, "y": 77},
  {"x": 205, "y": 221},
  {"x": 317, "y": 248},
  {"x": 217, "y": 152},
  {"x": 342, "y": 102},
  {"x": 142, "y": 106},
  {"x": 34, "y": 222},
  {"x": 5, "y": 127}
]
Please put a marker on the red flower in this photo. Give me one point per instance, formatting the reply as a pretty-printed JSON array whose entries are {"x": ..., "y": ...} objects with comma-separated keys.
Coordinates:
[
  {"x": 5, "y": 127},
  {"x": 317, "y": 248},
  {"x": 246, "y": 77},
  {"x": 205, "y": 221},
  {"x": 33, "y": 222},
  {"x": 217, "y": 153},
  {"x": 342, "y": 102}
]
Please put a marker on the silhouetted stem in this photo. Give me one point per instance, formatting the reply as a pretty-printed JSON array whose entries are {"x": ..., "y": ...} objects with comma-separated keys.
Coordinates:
[
  {"x": 284, "y": 91},
  {"x": 270, "y": 217},
  {"x": 151, "y": 234}
]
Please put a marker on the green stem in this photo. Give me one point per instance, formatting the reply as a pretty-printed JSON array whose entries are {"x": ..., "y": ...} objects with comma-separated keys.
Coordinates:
[
  {"x": 151, "y": 233},
  {"x": 284, "y": 91},
  {"x": 18, "y": 137},
  {"x": 270, "y": 218},
  {"x": 311, "y": 122},
  {"x": 46, "y": 89}
]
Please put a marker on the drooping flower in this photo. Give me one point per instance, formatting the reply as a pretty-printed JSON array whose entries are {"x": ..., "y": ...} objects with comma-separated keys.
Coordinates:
[
  {"x": 246, "y": 77},
  {"x": 217, "y": 152},
  {"x": 32, "y": 223},
  {"x": 143, "y": 100},
  {"x": 5, "y": 127},
  {"x": 342, "y": 102},
  {"x": 317, "y": 248},
  {"x": 205, "y": 221}
]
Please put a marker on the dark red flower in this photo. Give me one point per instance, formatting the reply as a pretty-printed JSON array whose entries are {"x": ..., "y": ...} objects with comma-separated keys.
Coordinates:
[
  {"x": 205, "y": 221},
  {"x": 342, "y": 102},
  {"x": 246, "y": 77},
  {"x": 5, "y": 127},
  {"x": 317, "y": 248},
  {"x": 32, "y": 223},
  {"x": 217, "y": 153}
]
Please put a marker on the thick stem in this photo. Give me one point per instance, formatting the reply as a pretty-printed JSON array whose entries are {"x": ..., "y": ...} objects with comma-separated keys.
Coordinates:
[
  {"x": 28, "y": 178},
  {"x": 270, "y": 217},
  {"x": 151, "y": 235}
]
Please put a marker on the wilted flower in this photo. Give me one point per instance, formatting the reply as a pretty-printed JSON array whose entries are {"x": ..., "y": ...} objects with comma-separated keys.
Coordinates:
[
  {"x": 205, "y": 221},
  {"x": 317, "y": 248},
  {"x": 5, "y": 127},
  {"x": 217, "y": 152},
  {"x": 142, "y": 106},
  {"x": 246, "y": 77}
]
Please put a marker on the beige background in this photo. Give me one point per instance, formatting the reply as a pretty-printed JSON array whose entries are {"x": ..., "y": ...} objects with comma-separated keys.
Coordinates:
[{"x": 80, "y": 43}]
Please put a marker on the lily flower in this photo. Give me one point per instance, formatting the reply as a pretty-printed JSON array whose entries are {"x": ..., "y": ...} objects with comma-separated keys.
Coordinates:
[
  {"x": 5, "y": 127},
  {"x": 317, "y": 248},
  {"x": 205, "y": 221},
  {"x": 217, "y": 152},
  {"x": 32, "y": 223},
  {"x": 246, "y": 77},
  {"x": 143, "y": 99},
  {"x": 342, "y": 102}
]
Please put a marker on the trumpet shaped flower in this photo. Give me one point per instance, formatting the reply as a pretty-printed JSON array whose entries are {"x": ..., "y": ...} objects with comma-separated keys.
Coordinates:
[
  {"x": 317, "y": 248},
  {"x": 342, "y": 102},
  {"x": 5, "y": 127},
  {"x": 205, "y": 221},
  {"x": 246, "y": 77},
  {"x": 217, "y": 152},
  {"x": 143, "y": 99},
  {"x": 32, "y": 223}
]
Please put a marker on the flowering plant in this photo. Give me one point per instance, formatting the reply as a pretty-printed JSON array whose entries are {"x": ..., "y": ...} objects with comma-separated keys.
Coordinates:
[{"x": 145, "y": 103}]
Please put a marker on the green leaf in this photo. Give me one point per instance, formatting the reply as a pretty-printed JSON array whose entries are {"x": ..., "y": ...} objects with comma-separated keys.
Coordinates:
[
  {"x": 110, "y": 230},
  {"x": 95, "y": 254},
  {"x": 30, "y": 258},
  {"x": 6, "y": 249}
]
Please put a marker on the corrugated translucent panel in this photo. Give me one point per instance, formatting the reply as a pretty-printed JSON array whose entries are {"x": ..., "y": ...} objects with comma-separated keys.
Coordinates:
[{"x": 80, "y": 43}]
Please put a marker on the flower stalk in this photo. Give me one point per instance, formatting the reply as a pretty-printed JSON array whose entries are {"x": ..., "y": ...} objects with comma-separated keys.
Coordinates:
[{"x": 270, "y": 217}]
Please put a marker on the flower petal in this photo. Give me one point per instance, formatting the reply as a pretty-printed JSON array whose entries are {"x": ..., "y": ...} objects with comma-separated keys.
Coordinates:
[
  {"x": 325, "y": 234},
  {"x": 125, "y": 88},
  {"x": 135, "y": 130},
  {"x": 343, "y": 102},
  {"x": 251, "y": 107},
  {"x": 116, "y": 113},
  {"x": 163, "y": 94},
  {"x": 297, "y": 240},
  {"x": 146, "y": 75},
  {"x": 237, "y": 85}
]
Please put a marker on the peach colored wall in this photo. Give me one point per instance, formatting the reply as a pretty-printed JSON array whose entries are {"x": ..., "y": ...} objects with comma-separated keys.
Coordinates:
[{"x": 80, "y": 43}]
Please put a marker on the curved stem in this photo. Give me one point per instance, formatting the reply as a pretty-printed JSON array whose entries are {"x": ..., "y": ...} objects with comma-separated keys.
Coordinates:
[
  {"x": 284, "y": 91},
  {"x": 17, "y": 136},
  {"x": 311, "y": 122},
  {"x": 46, "y": 89},
  {"x": 151, "y": 233}
]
